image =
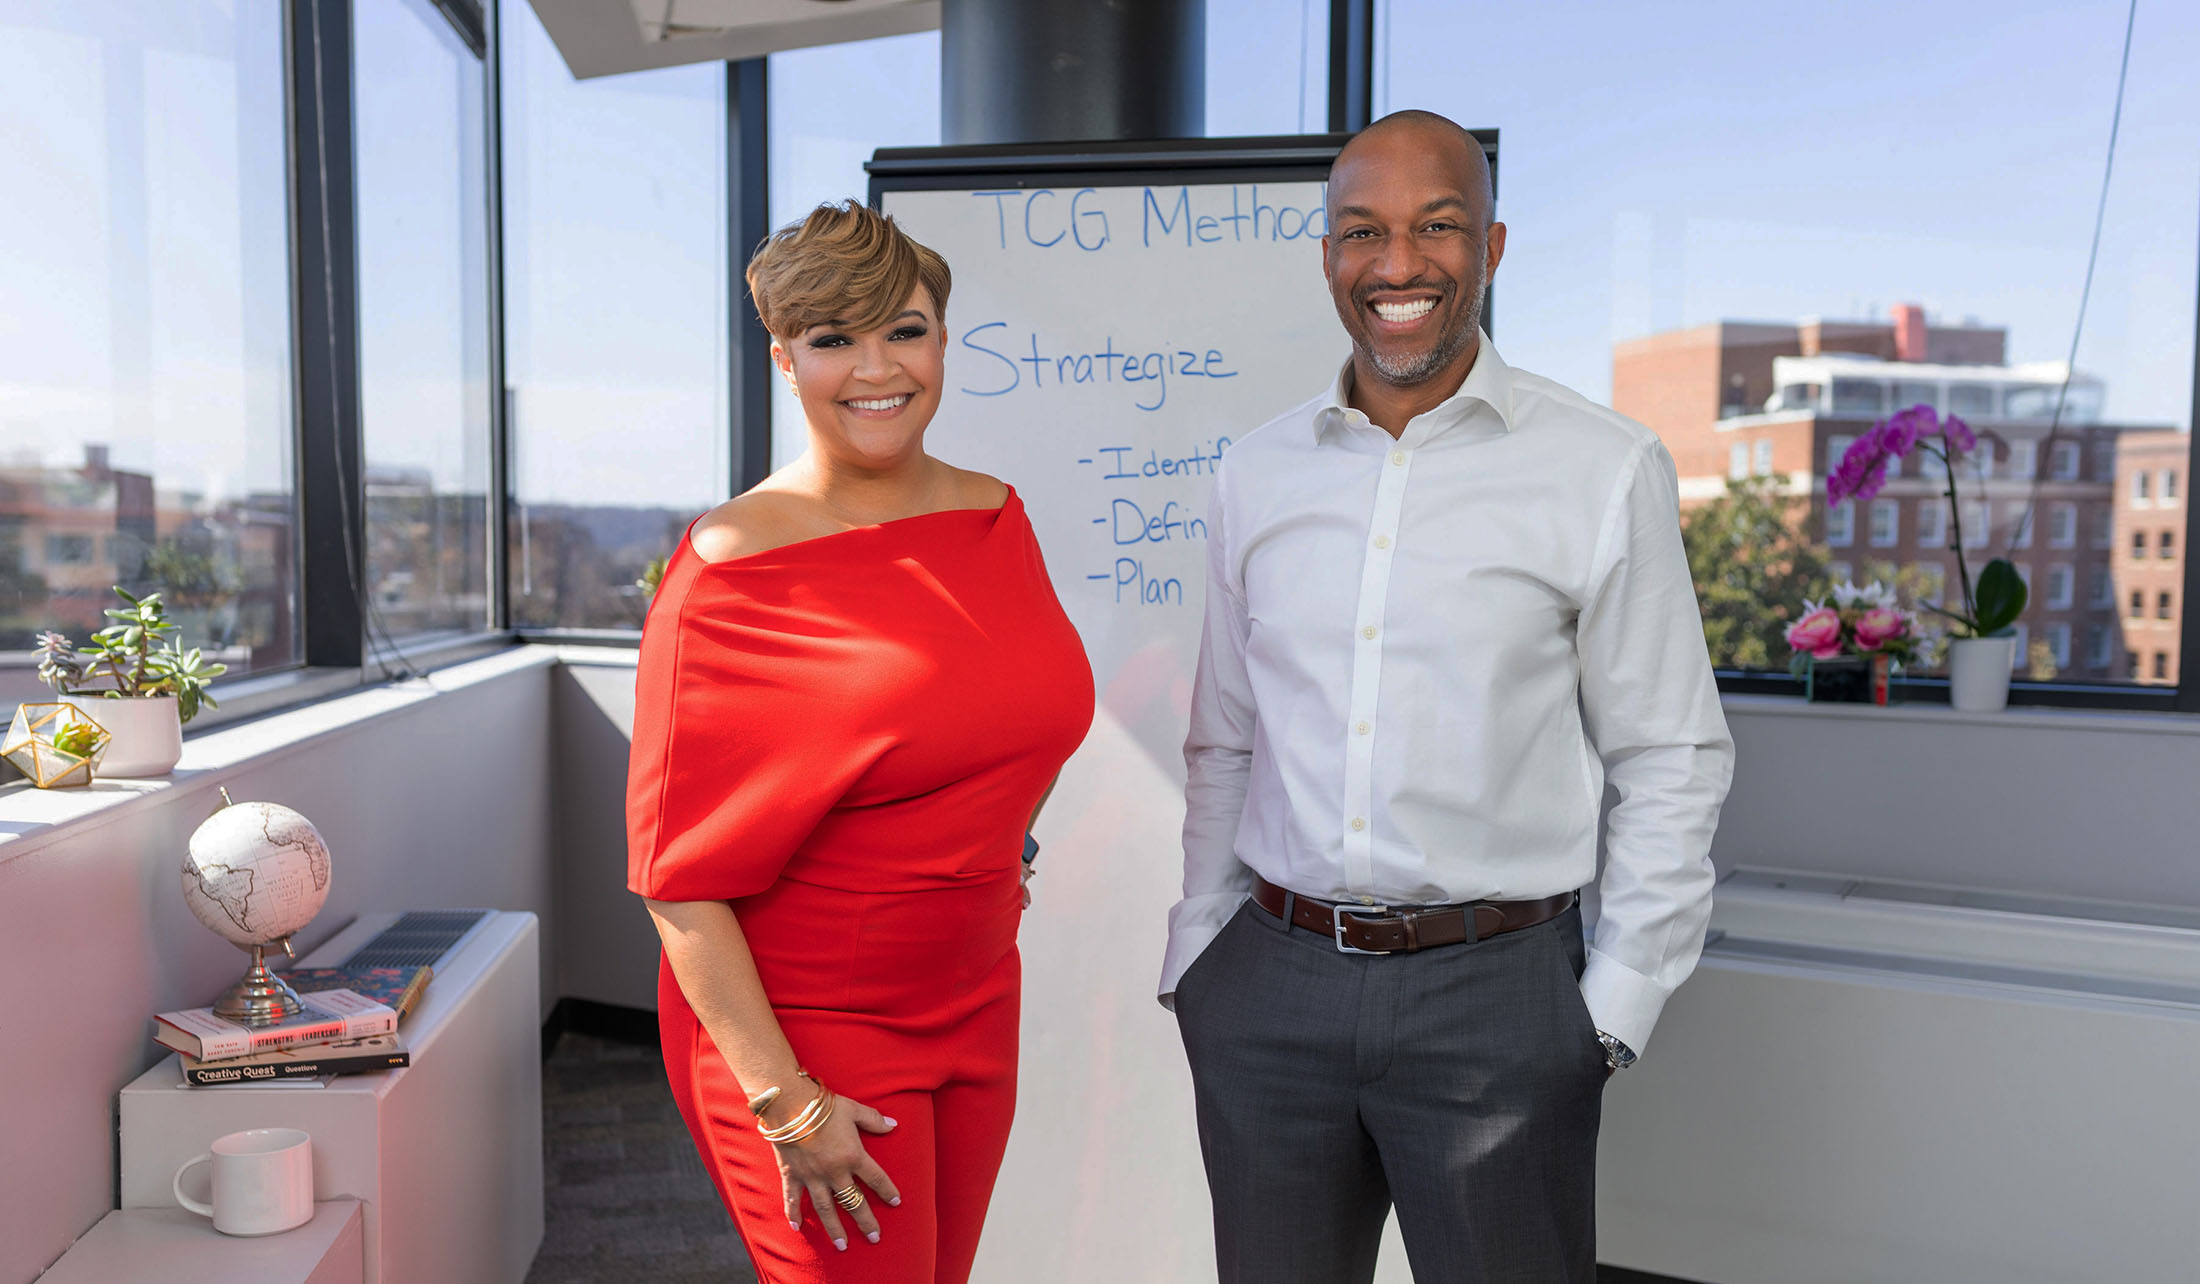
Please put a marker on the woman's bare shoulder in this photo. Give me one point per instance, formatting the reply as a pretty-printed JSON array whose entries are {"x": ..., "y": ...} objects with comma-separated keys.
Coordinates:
[
  {"x": 978, "y": 490},
  {"x": 756, "y": 522}
]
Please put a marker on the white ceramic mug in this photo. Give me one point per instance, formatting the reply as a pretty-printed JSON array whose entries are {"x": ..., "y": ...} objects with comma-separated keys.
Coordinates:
[{"x": 263, "y": 1181}]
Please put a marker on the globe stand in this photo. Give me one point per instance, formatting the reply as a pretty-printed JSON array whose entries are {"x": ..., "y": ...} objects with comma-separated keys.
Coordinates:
[{"x": 261, "y": 998}]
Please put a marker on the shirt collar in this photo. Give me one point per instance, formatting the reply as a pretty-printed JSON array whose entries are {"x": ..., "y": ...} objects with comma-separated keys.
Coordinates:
[{"x": 1490, "y": 382}]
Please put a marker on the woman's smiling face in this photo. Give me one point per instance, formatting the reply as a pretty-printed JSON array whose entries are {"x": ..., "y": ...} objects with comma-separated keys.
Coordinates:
[{"x": 868, "y": 395}]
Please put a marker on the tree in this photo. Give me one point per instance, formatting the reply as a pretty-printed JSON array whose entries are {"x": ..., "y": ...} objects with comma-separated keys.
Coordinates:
[{"x": 1753, "y": 561}]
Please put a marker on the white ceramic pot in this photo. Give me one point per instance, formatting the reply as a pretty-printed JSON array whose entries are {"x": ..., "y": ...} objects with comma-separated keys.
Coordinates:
[
  {"x": 1978, "y": 673},
  {"x": 148, "y": 736}
]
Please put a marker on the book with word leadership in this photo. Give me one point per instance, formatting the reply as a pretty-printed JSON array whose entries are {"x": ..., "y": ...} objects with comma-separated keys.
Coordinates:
[
  {"x": 306, "y": 1061},
  {"x": 326, "y": 1016}
]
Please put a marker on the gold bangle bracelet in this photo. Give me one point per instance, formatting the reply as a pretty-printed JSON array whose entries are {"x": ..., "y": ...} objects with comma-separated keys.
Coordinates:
[
  {"x": 805, "y": 1124},
  {"x": 762, "y": 1101}
]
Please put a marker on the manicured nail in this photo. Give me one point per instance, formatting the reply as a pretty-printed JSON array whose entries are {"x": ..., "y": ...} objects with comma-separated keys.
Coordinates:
[
  {"x": 792, "y": 1222},
  {"x": 841, "y": 1244},
  {"x": 895, "y": 1202},
  {"x": 890, "y": 1121},
  {"x": 871, "y": 1235}
]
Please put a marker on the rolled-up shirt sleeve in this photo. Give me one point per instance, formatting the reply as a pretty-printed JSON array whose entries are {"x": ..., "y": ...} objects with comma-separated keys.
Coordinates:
[
  {"x": 1218, "y": 755},
  {"x": 1650, "y": 705}
]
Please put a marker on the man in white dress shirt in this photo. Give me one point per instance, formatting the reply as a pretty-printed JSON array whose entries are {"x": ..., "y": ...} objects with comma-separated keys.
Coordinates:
[{"x": 1447, "y": 605}]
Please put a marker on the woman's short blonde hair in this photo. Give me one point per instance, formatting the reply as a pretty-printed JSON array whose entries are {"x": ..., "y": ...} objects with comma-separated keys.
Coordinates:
[{"x": 846, "y": 263}]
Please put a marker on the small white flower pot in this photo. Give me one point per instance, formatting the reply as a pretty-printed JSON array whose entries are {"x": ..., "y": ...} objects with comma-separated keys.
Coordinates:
[
  {"x": 148, "y": 736},
  {"x": 1978, "y": 673}
]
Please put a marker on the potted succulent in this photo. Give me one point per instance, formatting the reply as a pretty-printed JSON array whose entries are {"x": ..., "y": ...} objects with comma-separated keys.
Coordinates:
[
  {"x": 1850, "y": 649},
  {"x": 1983, "y": 648},
  {"x": 138, "y": 682},
  {"x": 56, "y": 745}
]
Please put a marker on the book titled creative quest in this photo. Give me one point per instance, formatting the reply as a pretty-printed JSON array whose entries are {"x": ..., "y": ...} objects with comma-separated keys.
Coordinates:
[{"x": 325, "y": 1017}]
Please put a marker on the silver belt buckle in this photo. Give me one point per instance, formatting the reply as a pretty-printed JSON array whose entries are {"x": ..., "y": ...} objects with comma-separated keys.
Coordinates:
[{"x": 1336, "y": 923}]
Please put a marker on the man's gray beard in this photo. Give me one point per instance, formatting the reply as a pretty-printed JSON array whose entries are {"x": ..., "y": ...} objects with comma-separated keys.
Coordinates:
[{"x": 1417, "y": 370}]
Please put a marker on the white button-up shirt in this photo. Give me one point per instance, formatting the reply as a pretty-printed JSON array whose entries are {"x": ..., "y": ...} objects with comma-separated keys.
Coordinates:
[{"x": 1425, "y": 658}]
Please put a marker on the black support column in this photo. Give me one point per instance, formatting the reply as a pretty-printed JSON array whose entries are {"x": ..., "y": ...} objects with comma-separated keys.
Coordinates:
[
  {"x": 1012, "y": 71},
  {"x": 1351, "y": 65},
  {"x": 748, "y": 222}
]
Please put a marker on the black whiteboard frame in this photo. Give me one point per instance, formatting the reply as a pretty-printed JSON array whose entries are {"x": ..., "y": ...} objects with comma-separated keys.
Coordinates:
[{"x": 1278, "y": 158}]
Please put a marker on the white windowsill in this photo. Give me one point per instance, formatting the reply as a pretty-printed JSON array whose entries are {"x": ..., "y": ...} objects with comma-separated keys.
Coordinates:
[{"x": 2027, "y": 718}]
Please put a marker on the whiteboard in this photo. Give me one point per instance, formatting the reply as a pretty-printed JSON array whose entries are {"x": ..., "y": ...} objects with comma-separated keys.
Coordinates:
[{"x": 1106, "y": 342}]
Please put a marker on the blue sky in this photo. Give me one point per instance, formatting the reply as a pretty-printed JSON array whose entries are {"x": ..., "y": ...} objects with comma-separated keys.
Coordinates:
[{"x": 1661, "y": 166}]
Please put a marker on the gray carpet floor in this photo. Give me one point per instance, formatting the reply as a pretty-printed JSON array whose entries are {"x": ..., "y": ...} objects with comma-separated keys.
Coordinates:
[{"x": 626, "y": 1199}]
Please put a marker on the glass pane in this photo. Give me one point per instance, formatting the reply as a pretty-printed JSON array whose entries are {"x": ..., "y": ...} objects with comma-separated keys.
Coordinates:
[
  {"x": 1267, "y": 67},
  {"x": 615, "y": 324},
  {"x": 1663, "y": 239},
  {"x": 831, "y": 107},
  {"x": 145, "y": 327},
  {"x": 423, "y": 320}
]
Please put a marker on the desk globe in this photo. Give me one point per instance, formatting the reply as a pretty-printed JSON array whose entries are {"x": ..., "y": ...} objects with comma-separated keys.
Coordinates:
[{"x": 255, "y": 873}]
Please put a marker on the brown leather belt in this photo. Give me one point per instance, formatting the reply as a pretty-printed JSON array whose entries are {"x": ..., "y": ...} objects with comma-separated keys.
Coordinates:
[{"x": 1379, "y": 929}]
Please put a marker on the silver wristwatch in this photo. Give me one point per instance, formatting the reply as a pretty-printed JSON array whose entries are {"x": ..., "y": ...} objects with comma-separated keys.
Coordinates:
[{"x": 1617, "y": 1055}]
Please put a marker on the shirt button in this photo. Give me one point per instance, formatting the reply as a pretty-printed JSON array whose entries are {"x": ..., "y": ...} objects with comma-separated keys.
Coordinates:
[
  {"x": 1368, "y": 632},
  {"x": 1367, "y": 900},
  {"x": 1398, "y": 459},
  {"x": 1358, "y": 824},
  {"x": 1362, "y": 728},
  {"x": 1382, "y": 541}
]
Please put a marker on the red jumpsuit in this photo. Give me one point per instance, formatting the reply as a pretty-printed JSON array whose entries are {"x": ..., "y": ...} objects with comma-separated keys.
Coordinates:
[{"x": 844, "y": 738}]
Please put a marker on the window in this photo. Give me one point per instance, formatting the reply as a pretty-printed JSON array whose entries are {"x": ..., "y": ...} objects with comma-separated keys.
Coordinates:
[
  {"x": 2169, "y": 485},
  {"x": 2065, "y": 461},
  {"x": 1886, "y": 522},
  {"x": 1267, "y": 67},
  {"x": 1707, "y": 249},
  {"x": 2062, "y": 525},
  {"x": 2167, "y": 542},
  {"x": 2060, "y": 579},
  {"x": 615, "y": 315},
  {"x": 1737, "y": 460},
  {"x": 2097, "y": 646},
  {"x": 1908, "y": 393},
  {"x": 2138, "y": 545},
  {"x": 1976, "y": 528},
  {"x": 2102, "y": 594},
  {"x": 2017, "y": 515},
  {"x": 2138, "y": 604},
  {"x": 1840, "y": 573},
  {"x": 1971, "y": 400},
  {"x": 832, "y": 105},
  {"x": 2162, "y": 605},
  {"x": 1859, "y": 398},
  {"x": 2058, "y": 643},
  {"x": 145, "y": 327},
  {"x": 2161, "y": 666},
  {"x": 2023, "y": 657},
  {"x": 1763, "y": 465},
  {"x": 1981, "y": 461},
  {"x": 2104, "y": 527},
  {"x": 423, "y": 207},
  {"x": 2142, "y": 487},
  {"x": 1841, "y": 523},
  {"x": 1932, "y": 523}
]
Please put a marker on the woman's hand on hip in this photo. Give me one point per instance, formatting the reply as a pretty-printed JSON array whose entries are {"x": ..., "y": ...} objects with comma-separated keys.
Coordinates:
[{"x": 831, "y": 1162}]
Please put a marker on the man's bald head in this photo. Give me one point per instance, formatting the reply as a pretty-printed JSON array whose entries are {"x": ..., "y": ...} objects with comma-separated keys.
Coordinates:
[{"x": 1416, "y": 138}]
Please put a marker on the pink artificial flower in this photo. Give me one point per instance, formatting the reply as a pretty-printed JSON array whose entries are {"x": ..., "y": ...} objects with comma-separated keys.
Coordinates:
[
  {"x": 1880, "y": 625},
  {"x": 1817, "y": 634},
  {"x": 1898, "y": 435}
]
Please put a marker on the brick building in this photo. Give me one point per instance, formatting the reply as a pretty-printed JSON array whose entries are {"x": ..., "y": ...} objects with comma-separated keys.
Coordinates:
[
  {"x": 2149, "y": 537},
  {"x": 1737, "y": 399}
]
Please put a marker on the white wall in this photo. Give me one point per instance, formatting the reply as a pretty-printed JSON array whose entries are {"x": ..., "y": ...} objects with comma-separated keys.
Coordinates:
[
  {"x": 607, "y": 948},
  {"x": 430, "y": 795}
]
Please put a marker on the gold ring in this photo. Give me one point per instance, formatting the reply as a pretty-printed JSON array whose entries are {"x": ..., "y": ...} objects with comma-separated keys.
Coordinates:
[{"x": 850, "y": 1199}]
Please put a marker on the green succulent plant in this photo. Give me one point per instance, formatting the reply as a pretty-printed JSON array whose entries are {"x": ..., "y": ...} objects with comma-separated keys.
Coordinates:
[
  {"x": 136, "y": 656},
  {"x": 77, "y": 738}
]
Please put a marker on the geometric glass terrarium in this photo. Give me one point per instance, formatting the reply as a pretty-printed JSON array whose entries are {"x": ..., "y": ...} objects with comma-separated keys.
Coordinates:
[{"x": 54, "y": 744}]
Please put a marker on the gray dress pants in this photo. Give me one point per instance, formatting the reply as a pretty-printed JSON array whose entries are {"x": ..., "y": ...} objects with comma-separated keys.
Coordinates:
[{"x": 1461, "y": 1083}]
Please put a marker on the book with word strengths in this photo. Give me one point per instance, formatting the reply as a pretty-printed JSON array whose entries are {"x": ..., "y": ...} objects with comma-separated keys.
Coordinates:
[
  {"x": 325, "y": 1017},
  {"x": 396, "y": 988},
  {"x": 347, "y": 1056}
]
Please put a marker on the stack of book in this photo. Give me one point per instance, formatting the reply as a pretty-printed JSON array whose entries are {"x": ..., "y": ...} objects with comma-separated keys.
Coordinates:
[{"x": 348, "y": 1025}]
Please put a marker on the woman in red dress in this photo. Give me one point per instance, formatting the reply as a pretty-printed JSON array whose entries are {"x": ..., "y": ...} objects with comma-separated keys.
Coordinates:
[{"x": 856, "y": 685}]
